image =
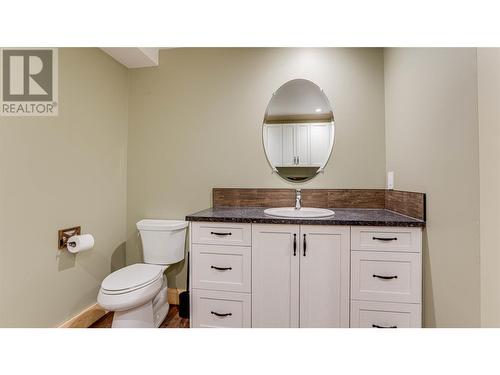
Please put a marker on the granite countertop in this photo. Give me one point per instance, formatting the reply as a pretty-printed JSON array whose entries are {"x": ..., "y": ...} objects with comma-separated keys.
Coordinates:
[{"x": 343, "y": 216}]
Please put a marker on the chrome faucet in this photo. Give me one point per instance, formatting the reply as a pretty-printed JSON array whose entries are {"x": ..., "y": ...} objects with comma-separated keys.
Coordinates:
[{"x": 298, "y": 199}]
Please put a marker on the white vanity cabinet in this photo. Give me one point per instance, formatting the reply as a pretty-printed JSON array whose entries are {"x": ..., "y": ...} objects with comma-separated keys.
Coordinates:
[
  {"x": 220, "y": 275},
  {"x": 300, "y": 276},
  {"x": 288, "y": 275},
  {"x": 386, "y": 277}
]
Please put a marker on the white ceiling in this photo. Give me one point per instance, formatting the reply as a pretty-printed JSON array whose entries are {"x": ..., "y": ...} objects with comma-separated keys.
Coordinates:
[{"x": 134, "y": 57}]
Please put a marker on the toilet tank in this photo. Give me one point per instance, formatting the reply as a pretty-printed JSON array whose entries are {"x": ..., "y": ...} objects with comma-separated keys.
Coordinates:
[{"x": 163, "y": 241}]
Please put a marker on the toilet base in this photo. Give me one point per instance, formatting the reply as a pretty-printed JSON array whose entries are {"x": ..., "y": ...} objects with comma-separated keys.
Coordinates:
[
  {"x": 149, "y": 315},
  {"x": 161, "y": 305},
  {"x": 138, "y": 317}
]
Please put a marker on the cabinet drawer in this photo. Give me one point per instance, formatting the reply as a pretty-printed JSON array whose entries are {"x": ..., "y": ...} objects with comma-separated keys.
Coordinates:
[
  {"x": 222, "y": 233},
  {"x": 386, "y": 239},
  {"x": 222, "y": 267},
  {"x": 366, "y": 314},
  {"x": 392, "y": 277},
  {"x": 221, "y": 309}
]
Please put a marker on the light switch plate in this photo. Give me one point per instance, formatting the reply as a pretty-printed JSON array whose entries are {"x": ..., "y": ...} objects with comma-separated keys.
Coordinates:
[{"x": 390, "y": 180}]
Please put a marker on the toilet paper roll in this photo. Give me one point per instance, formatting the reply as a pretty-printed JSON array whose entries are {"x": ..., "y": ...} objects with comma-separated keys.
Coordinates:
[{"x": 80, "y": 243}]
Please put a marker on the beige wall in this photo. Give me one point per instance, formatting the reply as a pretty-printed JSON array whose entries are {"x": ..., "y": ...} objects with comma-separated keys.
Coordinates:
[
  {"x": 57, "y": 172},
  {"x": 195, "y": 123},
  {"x": 432, "y": 146},
  {"x": 488, "y": 65}
]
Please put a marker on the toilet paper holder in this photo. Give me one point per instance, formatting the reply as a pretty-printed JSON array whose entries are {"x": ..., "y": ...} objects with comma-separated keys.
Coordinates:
[{"x": 65, "y": 234}]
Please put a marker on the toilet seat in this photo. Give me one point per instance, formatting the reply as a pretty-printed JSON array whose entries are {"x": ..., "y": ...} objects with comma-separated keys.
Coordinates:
[
  {"x": 131, "y": 278},
  {"x": 131, "y": 286}
]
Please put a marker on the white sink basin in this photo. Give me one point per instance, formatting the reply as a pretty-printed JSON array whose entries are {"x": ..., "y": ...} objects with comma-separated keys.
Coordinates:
[{"x": 304, "y": 212}]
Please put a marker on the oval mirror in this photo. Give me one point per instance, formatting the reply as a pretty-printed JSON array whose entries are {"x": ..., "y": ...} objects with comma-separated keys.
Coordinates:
[{"x": 298, "y": 130}]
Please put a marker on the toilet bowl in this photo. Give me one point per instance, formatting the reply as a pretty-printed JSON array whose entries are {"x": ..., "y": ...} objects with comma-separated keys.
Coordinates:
[{"x": 138, "y": 293}]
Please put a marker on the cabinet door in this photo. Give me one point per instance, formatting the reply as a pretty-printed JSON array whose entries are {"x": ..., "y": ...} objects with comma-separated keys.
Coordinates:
[
  {"x": 288, "y": 145},
  {"x": 302, "y": 143},
  {"x": 324, "y": 276},
  {"x": 274, "y": 144},
  {"x": 320, "y": 143},
  {"x": 275, "y": 276}
]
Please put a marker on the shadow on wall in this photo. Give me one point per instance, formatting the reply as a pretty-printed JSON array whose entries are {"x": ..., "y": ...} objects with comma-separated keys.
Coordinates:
[
  {"x": 118, "y": 257},
  {"x": 177, "y": 273},
  {"x": 67, "y": 260},
  {"x": 429, "y": 313}
]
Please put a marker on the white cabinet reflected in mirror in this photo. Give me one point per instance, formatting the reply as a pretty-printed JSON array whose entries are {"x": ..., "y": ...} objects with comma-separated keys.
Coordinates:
[{"x": 298, "y": 130}]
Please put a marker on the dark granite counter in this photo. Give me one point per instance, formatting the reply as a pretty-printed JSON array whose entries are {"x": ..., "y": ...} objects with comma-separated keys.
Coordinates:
[{"x": 343, "y": 216}]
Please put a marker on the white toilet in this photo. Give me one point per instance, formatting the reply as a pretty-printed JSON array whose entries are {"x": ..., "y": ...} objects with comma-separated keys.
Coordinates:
[{"x": 138, "y": 293}]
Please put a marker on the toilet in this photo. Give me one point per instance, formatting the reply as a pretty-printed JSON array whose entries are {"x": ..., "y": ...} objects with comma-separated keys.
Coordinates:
[{"x": 138, "y": 293}]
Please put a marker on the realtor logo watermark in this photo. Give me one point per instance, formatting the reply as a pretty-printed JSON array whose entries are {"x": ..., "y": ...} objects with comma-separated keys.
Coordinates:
[{"x": 28, "y": 82}]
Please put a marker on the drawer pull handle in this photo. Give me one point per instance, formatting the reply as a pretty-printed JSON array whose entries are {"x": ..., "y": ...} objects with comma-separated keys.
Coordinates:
[
  {"x": 294, "y": 244},
  {"x": 221, "y": 233},
  {"x": 305, "y": 244},
  {"x": 221, "y": 315},
  {"x": 221, "y": 268},
  {"x": 386, "y": 277},
  {"x": 385, "y": 239},
  {"x": 377, "y": 326}
]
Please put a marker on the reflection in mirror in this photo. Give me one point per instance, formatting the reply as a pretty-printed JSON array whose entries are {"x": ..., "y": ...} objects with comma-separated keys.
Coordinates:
[{"x": 298, "y": 130}]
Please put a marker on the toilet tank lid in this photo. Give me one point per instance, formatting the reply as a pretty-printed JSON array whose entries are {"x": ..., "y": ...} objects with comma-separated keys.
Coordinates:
[{"x": 165, "y": 225}]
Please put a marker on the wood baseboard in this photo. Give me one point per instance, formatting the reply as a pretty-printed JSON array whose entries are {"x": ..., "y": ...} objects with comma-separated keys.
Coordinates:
[
  {"x": 95, "y": 312},
  {"x": 85, "y": 318},
  {"x": 173, "y": 295}
]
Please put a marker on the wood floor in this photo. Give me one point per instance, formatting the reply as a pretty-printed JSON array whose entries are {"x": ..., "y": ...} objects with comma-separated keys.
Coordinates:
[{"x": 173, "y": 320}]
